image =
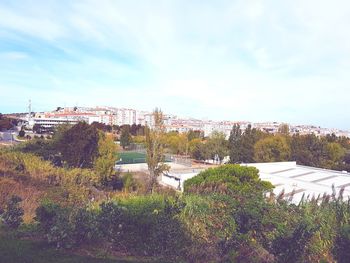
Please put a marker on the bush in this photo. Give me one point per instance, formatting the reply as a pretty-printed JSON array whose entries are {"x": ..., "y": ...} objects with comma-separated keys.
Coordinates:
[
  {"x": 12, "y": 215},
  {"x": 341, "y": 250},
  {"x": 228, "y": 179},
  {"x": 66, "y": 227},
  {"x": 129, "y": 183},
  {"x": 110, "y": 222},
  {"x": 21, "y": 133}
]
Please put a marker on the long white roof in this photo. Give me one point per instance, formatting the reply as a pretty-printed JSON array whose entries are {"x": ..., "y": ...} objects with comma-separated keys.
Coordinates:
[{"x": 297, "y": 180}]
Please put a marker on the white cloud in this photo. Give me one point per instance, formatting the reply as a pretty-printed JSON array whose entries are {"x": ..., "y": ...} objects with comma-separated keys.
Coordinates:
[{"x": 258, "y": 59}]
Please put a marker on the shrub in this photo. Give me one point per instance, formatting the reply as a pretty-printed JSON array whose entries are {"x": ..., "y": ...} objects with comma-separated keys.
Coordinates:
[
  {"x": 46, "y": 214},
  {"x": 129, "y": 183},
  {"x": 110, "y": 223},
  {"x": 12, "y": 215},
  {"x": 228, "y": 179},
  {"x": 21, "y": 133},
  {"x": 66, "y": 227},
  {"x": 341, "y": 250}
]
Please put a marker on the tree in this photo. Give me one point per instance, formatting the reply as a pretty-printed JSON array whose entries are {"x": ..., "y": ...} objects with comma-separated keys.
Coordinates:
[
  {"x": 307, "y": 150},
  {"x": 102, "y": 126},
  {"x": 106, "y": 158},
  {"x": 250, "y": 137},
  {"x": 178, "y": 143},
  {"x": 234, "y": 143},
  {"x": 217, "y": 145},
  {"x": 283, "y": 129},
  {"x": 335, "y": 154},
  {"x": 155, "y": 148},
  {"x": 241, "y": 146},
  {"x": 195, "y": 134},
  {"x": 133, "y": 129},
  {"x": 201, "y": 151},
  {"x": 79, "y": 145},
  {"x": 272, "y": 149},
  {"x": 125, "y": 137}
]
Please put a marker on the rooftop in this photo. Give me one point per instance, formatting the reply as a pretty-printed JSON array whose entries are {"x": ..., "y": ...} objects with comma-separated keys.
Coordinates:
[{"x": 297, "y": 180}]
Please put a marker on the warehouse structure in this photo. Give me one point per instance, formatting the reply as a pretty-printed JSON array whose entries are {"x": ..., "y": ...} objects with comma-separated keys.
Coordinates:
[{"x": 294, "y": 180}]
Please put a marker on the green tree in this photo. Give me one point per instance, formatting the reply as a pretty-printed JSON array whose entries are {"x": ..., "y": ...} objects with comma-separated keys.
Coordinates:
[
  {"x": 125, "y": 137},
  {"x": 155, "y": 148},
  {"x": 195, "y": 134},
  {"x": 272, "y": 149},
  {"x": 217, "y": 145},
  {"x": 106, "y": 158},
  {"x": 235, "y": 143},
  {"x": 308, "y": 150},
  {"x": 335, "y": 154},
  {"x": 201, "y": 151},
  {"x": 246, "y": 144},
  {"x": 177, "y": 143},
  {"x": 79, "y": 145}
]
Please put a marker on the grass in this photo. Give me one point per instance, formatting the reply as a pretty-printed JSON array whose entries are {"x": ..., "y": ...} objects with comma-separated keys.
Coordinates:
[{"x": 16, "y": 250}]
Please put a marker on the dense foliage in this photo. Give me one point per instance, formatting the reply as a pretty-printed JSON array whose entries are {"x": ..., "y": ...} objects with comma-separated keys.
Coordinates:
[
  {"x": 226, "y": 214},
  {"x": 229, "y": 179},
  {"x": 329, "y": 152},
  {"x": 209, "y": 225},
  {"x": 79, "y": 145},
  {"x": 7, "y": 123},
  {"x": 11, "y": 216}
]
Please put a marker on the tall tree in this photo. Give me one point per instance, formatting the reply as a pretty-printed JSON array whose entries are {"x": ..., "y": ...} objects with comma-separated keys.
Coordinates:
[
  {"x": 249, "y": 138},
  {"x": 155, "y": 148},
  {"x": 106, "y": 158},
  {"x": 79, "y": 145},
  {"x": 234, "y": 143},
  {"x": 125, "y": 137},
  {"x": 217, "y": 145}
]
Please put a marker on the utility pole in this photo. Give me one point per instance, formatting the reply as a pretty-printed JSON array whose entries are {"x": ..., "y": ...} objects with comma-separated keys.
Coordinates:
[{"x": 29, "y": 111}]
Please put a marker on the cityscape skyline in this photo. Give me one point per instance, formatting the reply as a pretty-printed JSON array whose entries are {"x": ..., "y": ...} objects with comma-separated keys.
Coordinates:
[
  {"x": 218, "y": 119},
  {"x": 103, "y": 114},
  {"x": 228, "y": 60}
]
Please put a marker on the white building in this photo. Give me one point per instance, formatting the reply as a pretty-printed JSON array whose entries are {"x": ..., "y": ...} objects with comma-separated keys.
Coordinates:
[
  {"x": 294, "y": 180},
  {"x": 52, "y": 122},
  {"x": 124, "y": 116},
  {"x": 297, "y": 180}
]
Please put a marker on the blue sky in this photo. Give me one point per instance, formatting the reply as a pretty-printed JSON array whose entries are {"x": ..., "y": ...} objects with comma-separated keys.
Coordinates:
[{"x": 257, "y": 60}]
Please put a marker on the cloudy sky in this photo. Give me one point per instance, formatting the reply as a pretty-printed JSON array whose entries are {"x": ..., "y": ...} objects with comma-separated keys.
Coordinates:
[{"x": 257, "y": 60}]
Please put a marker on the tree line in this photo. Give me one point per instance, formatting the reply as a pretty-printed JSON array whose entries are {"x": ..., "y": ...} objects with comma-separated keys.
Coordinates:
[{"x": 252, "y": 145}]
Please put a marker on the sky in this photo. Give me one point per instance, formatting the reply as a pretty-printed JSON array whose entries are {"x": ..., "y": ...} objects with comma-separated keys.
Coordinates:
[{"x": 256, "y": 60}]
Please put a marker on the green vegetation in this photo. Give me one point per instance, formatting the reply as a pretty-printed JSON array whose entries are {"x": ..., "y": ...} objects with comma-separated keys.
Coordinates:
[
  {"x": 155, "y": 149},
  {"x": 12, "y": 215},
  {"x": 125, "y": 137},
  {"x": 79, "y": 145},
  {"x": 229, "y": 179},
  {"x": 56, "y": 207},
  {"x": 13, "y": 249},
  {"x": 7, "y": 123},
  {"x": 105, "y": 160}
]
